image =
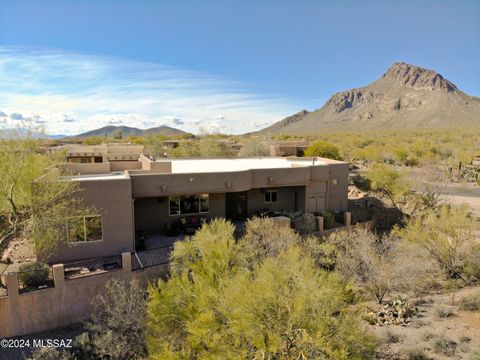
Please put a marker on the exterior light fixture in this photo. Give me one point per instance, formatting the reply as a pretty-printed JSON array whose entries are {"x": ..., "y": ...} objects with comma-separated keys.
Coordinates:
[
  {"x": 191, "y": 179},
  {"x": 164, "y": 188},
  {"x": 334, "y": 181},
  {"x": 228, "y": 185},
  {"x": 270, "y": 179}
]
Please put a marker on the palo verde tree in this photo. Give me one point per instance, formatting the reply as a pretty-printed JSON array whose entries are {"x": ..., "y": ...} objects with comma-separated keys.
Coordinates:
[
  {"x": 448, "y": 235},
  {"x": 395, "y": 189},
  {"x": 254, "y": 147},
  {"x": 323, "y": 149},
  {"x": 20, "y": 164},
  {"x": 34, "y": 202},
  {"x": 276, "y": 304}
]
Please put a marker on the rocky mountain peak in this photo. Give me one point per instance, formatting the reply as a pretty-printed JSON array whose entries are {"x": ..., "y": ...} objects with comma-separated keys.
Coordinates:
[{"x": 418, "y": 77}]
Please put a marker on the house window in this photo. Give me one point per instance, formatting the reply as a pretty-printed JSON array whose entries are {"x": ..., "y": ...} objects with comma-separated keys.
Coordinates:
[
  {"x": 84, "y": 229},
  {"x": 188, "y": 204},
  {"x": 271, "y": 196},
  {"x": 204, "y": 203}
]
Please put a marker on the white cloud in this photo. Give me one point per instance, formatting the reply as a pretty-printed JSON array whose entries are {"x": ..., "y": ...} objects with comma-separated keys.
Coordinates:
[
  {"x": 178, "y": 122},
  {"x": 74, "y": 92},
  {"x": 17, "y": 117},
  {"x": 68, "y": 118}
]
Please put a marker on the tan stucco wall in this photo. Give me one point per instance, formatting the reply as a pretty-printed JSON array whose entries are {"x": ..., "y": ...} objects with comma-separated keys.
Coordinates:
[
  {"x": 285, "y": 196},
  {"x": 147, "y": 184},
  {"x": 125, "y": 165},
  {"x": 338, "y": 193},
  {"x": 113, "y": 198},
  {"x": 88, "y": 168},
  {"x": 159, "y": 167},
  {"x": 70, "y": 301},
  {"x": 151, "y": 214}
]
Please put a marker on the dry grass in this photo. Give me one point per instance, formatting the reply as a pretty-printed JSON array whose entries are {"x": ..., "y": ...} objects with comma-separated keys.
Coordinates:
[
  {"x": 442, "y": 330},
  {"x": 471, "y": 302}
]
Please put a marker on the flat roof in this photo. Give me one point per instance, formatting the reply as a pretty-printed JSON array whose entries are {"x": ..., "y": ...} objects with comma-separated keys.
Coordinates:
[
  {"x": 215, "y": 165},
  {"x": 107, "y": 176},
  {"x": 182, "y": 166}
]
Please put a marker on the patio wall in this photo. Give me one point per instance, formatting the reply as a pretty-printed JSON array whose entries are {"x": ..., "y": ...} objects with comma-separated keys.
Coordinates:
[{"x": 69, "y": 302}]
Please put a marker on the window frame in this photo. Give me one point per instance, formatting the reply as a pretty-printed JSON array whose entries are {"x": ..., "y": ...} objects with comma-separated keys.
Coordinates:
[
  {"x": 179, "y": 202},
  {"x": 269, "y": 193},
  {"x": 84, "y": 241}
]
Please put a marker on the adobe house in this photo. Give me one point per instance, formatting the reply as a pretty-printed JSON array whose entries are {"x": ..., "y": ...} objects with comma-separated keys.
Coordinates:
[
  {"x": 103, "y": 153},
  {"x": 287, "y": 148},
  {"x": 168, "y": 196}
]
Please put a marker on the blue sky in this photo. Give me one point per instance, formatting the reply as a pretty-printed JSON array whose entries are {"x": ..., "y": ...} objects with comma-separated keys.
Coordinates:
[{"x": 228, "y": 66}]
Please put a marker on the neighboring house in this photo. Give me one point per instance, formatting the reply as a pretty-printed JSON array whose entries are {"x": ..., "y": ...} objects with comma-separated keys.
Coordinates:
[
  {"x": 157, "y": 196},
  {"x": 287, "y": 148},
  {"x": 103, "y": 153}
]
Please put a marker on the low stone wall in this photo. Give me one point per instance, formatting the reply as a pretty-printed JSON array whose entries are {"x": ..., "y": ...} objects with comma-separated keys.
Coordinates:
[{"x": 68, "y": 302}]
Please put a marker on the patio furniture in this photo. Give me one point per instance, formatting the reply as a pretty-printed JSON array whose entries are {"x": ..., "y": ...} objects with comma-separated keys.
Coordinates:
[{"x": 187, "y": 225}]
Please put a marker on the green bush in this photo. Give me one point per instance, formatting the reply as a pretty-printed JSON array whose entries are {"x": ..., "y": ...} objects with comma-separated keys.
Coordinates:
[
  {"x": 33, "y": 274},
  {"x": 217, "y": 304},
  {"x": 328, "y": 219},
  {"x": 362, "y": 182},
  {"x": 472, "y": 263},
  {"x": 323, "y": 149},
  {"x": 304, "y": 223}
]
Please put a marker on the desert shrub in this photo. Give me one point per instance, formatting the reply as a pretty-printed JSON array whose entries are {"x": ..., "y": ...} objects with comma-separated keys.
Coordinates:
[
  {"x": 401, "y": 154},
  {"x": 208, "y": 146},
  {"x": 33, "y": 274},
  {"x": 392, "y": 186},
  {"x": 93, "y": 140},
  {"x": 328, "y": 219},
  {"x": 445, "y": 346},
  {"x": 264, "y": 238},
  {"x": 116, "y": 329},
  {"x": 304, "y": 223},
  {"x": 417, "y": 354},
  {"x": 254, "y": 147},
  {"x": 362, "y": 182},
  {"x": 323, "y": 149},
  {"x": 465, "y": 339},
  {"x": 282, "y": 306},
  {"x": 448, "y": 237},
  {"x": 50, "y": 353},
  {"x": 324, "y": 254},
  {"x": 472, "y": 264},
  {"x": 366, "y": 259},
  {"x": 415, "y": 272},
  {"x": 471, "y": 302},
  {"x": 392, "y": 337},
  {"x": 444, "y": 312},
  {"x": 412, "y": 161},
  {"x": 427, "y": 336}
]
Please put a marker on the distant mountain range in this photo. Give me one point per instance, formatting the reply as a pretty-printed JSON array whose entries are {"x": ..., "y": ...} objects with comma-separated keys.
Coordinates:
[
  {"x": 406, "y": 96},
  {"x": 126, "y": 131}
]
